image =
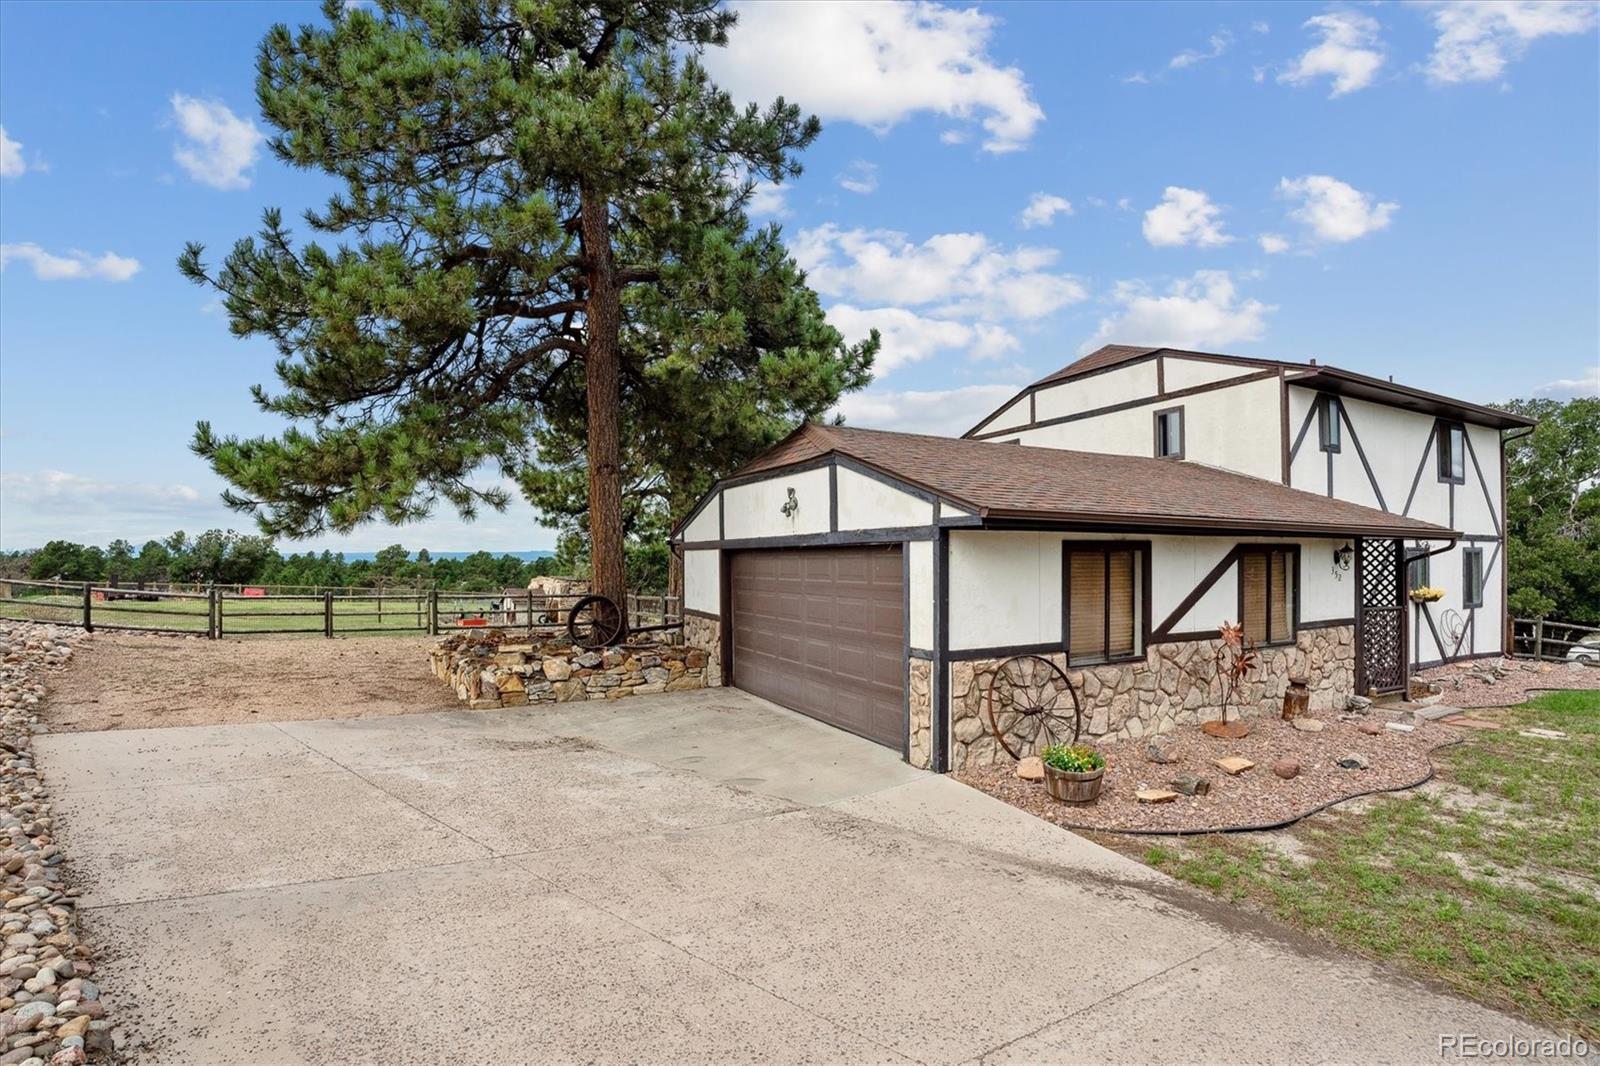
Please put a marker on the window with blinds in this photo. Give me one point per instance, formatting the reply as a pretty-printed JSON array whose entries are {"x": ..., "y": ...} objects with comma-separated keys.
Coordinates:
[
  {"x": 1102, "y": 597},
  {"x": 1266, "y": 595}
]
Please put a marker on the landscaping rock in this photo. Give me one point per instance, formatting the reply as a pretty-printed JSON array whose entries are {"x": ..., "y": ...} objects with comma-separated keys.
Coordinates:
[
  {"x": 1308, "y": 725},
  {"x": 1288, "y": 769},
  {"x": 1233, "y": 765},
  {"x": 1371, "y": 729},
  {"x": 1155, "y": 795},
  {"x": 1357, "y": 703},
  {"x": 1354, "y": 761},
  {"x": 1400, "y": 727},
  {"x": 1192, "y": 785},
  {"x": 1031, "y": 768},
  {"x": 487, "y": 672},
  {"x": 1159, "y": 751}
]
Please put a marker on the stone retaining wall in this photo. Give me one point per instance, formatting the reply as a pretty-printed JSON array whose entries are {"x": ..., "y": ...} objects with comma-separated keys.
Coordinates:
[
  {"x": 705, "y": 634},
  {"x": 1174, "y": 684},
  {"x": 488, "y": 670},
  {"x": 920, "y": 687}
]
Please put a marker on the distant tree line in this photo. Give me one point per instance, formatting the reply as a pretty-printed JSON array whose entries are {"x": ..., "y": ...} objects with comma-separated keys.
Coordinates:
[
  {"x": 1553, "y": 511},
  {"x": 226, "y": 557}
]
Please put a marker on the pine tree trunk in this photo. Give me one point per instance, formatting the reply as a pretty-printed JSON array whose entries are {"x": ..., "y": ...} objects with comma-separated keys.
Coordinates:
[{"x": 602, "y": 368}]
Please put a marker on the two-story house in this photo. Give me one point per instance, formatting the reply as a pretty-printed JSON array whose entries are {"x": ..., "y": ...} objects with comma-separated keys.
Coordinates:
[{"x": 1080, "y": 546}]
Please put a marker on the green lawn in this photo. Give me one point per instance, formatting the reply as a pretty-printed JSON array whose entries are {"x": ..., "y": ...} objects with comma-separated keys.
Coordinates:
[{"x": 1492, "y": 886}]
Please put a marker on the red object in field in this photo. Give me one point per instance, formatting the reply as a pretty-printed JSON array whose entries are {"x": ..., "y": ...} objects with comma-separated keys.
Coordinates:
[
  {"x": 473, "y": 622},
  {"x": 252, "y": 592}
]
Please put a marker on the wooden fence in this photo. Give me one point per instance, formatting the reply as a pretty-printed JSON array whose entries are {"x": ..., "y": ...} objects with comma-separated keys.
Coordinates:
[
  {"x": 1542, "y": 638},
  {"x": 234, "y": 612}
]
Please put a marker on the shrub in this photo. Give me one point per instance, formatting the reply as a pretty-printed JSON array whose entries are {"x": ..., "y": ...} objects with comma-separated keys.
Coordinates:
[{"x": 1073, "y": 758}]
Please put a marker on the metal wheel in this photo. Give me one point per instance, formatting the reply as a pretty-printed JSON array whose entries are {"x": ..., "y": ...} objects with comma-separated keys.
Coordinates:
[
  {"x": 1030, "y": 700},
  {"x": 595, "y": 622}
]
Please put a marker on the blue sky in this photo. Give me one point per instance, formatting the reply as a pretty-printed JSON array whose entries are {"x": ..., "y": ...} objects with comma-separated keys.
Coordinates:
[{"x": 1405, "y": 189}]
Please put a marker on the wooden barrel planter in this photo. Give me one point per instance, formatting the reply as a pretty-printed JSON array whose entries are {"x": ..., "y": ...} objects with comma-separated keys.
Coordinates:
[{"x": 1069, "y": 787}]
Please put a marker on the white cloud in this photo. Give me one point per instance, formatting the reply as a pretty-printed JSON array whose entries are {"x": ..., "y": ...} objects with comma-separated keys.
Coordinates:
[
  {"x": 1586, "y": 384},
  {"x": 1184, "y": 216},
  {"x": 910, "y": 338},
  {"x": 1260, "y": 26},
  {"x": 1138, "y": 77},
  {"x": 1043, "y": 208},
  {"x": 1333, "y": 210},
  {"x": 74, "y": 266},
  {"x": 1273, "y": 244},
  {"x": 1349, "y": 52},
  {"x": 961, "y": 274},
  {"x": 768, "y": 200},
  {"x": 218, "y": 146},
  {"x": 944, "y": 413},
  {"x": 56, "y": 490},
  {"x": 877, "y": 64},
  {"x": 11, "y": 161},
  {"x": 1217, "y": 45},
  {"x": 860, "y": 177},
  {"x": 1201, "y": 311},
  {"x": 1477, "y": 39}
]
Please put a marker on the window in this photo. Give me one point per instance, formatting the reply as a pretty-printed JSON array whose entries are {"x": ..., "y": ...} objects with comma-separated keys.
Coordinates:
[
  {"x": 1418, "y": 571},
  {"x": 1452, "y": 452},
  {"x": 1328, "y": 423},
  {"x": 1266, "y": 594},
  {"x": 1169, "y": 433},
  {"x": 1472, "y": 577},
  {"x": 1103, "y": 596}
]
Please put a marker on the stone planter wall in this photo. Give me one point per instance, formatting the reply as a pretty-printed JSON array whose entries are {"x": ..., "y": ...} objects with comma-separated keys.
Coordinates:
[
  {"x": 920, "y": 687},
  {"x": 706, "y": 635},
  {"x": 1174, "y": 684},
  {"x": 488, "y": 670}
]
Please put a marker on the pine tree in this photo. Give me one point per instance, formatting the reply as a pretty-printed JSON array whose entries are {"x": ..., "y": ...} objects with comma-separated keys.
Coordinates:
[{"x": 543, "y": 252}]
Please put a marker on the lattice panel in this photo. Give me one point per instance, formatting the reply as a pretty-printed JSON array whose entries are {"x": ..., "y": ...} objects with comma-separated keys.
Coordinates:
[
  {"x": 1382, "y": 650},
  {"x": 1380, "y": 573},
  {"x": 1382, "y": 607}
]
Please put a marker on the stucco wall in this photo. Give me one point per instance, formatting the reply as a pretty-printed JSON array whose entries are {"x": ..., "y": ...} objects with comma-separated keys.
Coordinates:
[
  {"x": 1096, "y": 390},
  {"x": 755, "y": 509},
  {"x": 702, "y": 576},
  {"x": 919, "y": 596},
  {"x": 1179, "y": 373},
  {"x": 707, "y": 525},
  {"x": 866, "y": 503}
]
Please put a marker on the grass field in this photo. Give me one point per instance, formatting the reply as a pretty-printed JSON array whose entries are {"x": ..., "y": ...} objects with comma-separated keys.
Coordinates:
[
  {"x": 1489, "y": 882},
  {"x": 400, "y": 614}
]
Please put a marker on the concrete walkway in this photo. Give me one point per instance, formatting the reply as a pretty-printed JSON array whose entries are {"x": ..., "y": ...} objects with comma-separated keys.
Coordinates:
[{"x": 699, "y": 877}]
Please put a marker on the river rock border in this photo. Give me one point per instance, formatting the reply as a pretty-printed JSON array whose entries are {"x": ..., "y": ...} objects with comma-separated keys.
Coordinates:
[
  {"x": 50, "y": 1009},
  {"x": 1174, "y": 684},
  {"x": 705, "y": 633},
  {"x": 489, "y": 670}
]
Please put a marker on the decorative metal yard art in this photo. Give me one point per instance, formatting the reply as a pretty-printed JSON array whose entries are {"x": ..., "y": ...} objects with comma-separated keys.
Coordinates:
[
  {"x": 1236, "y": 661},
  {"x": 1029, "y": 700},
  {"x": 595, "y": 622}
]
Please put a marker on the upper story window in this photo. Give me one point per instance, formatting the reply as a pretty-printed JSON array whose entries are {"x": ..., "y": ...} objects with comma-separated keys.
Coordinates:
[
  {"x": 1266, "y": 594},
  {"x": 1328, "y": 429},
  {"x": 1102, "y": 602},
  {"x": 1418, "y": 573},
  {"x": 1472, "y": 577},
  {"x": 1452, "y": 452},
  {"x": 1169, "y": 433}
]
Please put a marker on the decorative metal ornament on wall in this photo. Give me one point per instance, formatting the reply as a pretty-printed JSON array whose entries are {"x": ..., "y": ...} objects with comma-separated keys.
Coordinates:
[
  {"x": 1029, "y": 700},
  {"x": 791, "y": 505}
]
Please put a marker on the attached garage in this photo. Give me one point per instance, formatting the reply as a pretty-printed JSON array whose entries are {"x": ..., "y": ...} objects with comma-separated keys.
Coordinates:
[{"x": 823, "y": 632}]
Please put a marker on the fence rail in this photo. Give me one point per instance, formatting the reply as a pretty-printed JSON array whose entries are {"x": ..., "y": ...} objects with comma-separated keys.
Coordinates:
[
  {"x": 222, "y": 611},
  {"x": 1543, "y": 638}
]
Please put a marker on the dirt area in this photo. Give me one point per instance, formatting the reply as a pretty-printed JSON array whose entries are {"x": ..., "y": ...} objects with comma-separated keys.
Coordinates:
[
  {"x": 1257, "y": 797},
  {"x": 1463, "y": 684},
  {"x": 128, "y": 681}
]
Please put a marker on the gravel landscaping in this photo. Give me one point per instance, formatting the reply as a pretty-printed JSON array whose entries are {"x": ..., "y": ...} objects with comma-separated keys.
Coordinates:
[
  {"x": 1504, "y": 682},
  {"x": 1256, "y": 797},
  {"x": 50, "y": 1009}
]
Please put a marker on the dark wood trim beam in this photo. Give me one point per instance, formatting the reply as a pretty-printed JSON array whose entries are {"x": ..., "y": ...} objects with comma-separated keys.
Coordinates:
[
  {"x": 1361, "y": 453},
  {"x": 1187, "y": 603},
  {"x": 1127, "y": 405}
]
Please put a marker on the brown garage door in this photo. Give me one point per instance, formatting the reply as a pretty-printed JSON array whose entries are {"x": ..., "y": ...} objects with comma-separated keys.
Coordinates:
[{"x": 822, "y": 631}]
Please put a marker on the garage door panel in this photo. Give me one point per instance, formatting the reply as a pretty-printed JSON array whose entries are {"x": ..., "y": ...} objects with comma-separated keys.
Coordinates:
[{"x": 822, "y": 630}]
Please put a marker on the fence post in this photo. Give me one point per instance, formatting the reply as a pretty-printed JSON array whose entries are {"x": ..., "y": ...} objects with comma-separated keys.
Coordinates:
[
  {"x": 327, "y": 614},
  {"x": 433, "y": 612},
  {"x": 1538, "y": 639},
  {"x": 88, "y": 597},
  {"x": 214, "y": 613}
]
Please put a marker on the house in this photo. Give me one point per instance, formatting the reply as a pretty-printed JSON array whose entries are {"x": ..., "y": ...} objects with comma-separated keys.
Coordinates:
[
  {"x": 876, "y": 580},
  {"x": 1344, "y": 435}
]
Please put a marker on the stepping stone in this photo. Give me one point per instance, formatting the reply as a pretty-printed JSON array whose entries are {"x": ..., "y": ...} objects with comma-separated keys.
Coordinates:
[
  {"x": 1156, "y": 795},
  {"x": 1466, "y": 722},
  {"x": 1031, "y": 768},
  {"x": 1436, "y": 712},
  {"x": 1233, "y": 764},
  {"x": 1307, "y": 725},
  {"x": 1400, "y": 727},
  {"x": 1542, "y": 734}
]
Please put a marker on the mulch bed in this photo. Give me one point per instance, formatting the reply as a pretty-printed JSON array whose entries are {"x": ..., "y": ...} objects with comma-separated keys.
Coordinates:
[{"x": 1257, "y": 798}]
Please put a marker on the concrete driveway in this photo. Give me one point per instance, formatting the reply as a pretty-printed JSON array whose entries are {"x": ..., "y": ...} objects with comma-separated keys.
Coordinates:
[{"x": 699, "y": 877}]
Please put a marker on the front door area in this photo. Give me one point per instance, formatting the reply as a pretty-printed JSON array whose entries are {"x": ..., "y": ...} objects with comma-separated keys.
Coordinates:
[{"x": 1380, "y": 617}]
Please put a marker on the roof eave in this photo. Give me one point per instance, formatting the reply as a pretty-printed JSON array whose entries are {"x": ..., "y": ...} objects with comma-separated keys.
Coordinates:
[
  {"x": 998, "y": 517},
  {"x": 1362, "y": 386}
]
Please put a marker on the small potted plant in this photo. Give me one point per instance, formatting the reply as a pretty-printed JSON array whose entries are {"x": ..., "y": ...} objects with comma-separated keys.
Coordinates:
[
  {"x": 1073, "y": 772},
  {"x": 1425, "y": 594}
]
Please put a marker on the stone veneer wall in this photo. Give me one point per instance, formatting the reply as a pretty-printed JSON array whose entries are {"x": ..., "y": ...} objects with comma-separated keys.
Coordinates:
[
  {"x": 1175, "y": 684},
  {"x": 920, "y": 687},
  {"x": 487, "y": 674},
  {"x": 706, "y": 635}
]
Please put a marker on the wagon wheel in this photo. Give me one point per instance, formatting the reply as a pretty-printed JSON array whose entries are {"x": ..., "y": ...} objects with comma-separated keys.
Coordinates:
[
  {"x": 1029, "y": 696},
  {"x": 595, "y": 622}
]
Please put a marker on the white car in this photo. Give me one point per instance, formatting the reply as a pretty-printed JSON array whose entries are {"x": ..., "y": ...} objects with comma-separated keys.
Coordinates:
[{"x": 1586, "y": 650}]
